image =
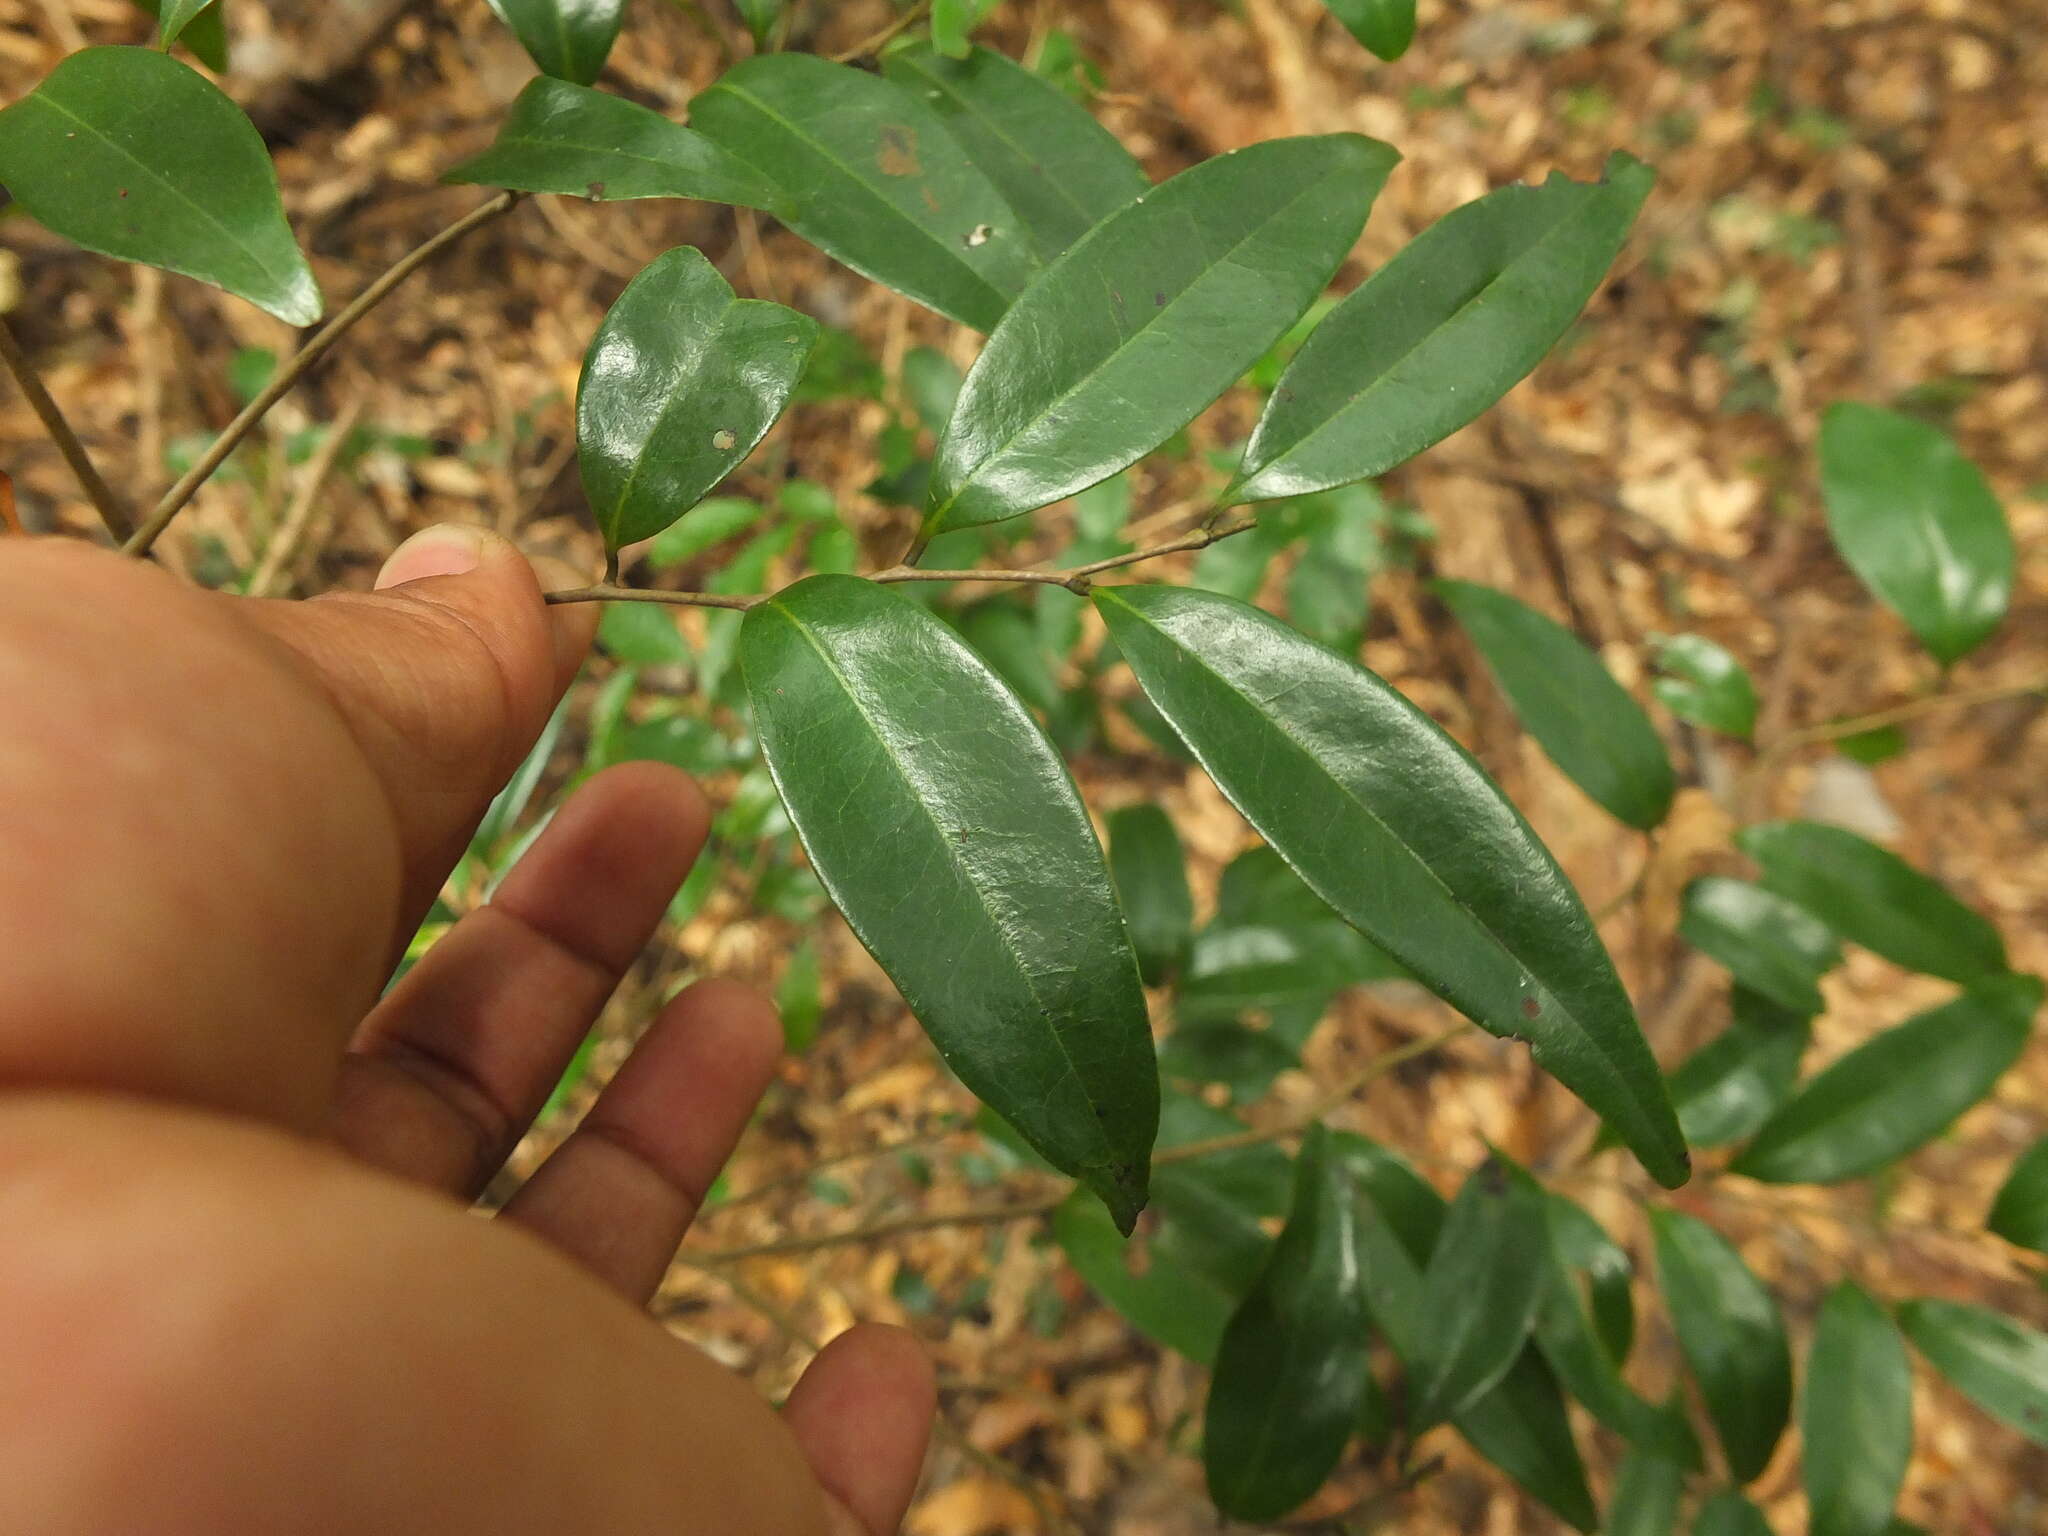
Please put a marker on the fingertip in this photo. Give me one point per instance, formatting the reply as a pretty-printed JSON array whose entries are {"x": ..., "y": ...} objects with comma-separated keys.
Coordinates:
[{"x": 863, "y": 1415}]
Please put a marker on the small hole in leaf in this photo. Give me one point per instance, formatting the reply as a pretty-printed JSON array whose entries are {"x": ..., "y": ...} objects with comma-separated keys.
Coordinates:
[{"x": 723, "y": 440}]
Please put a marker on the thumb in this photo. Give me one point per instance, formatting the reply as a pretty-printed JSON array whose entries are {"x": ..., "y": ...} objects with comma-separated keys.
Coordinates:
[{"x": 444, "y": 675}]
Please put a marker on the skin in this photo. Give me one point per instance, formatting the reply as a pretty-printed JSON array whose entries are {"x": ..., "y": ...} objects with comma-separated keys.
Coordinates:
[{"x": 242, "y": 1286}]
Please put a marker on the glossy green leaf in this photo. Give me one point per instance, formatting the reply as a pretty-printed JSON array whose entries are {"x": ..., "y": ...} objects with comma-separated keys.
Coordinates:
[
  {"x": 1897, "y": 1090},
  {"x": 1173, "y": 1305},
  {"x": 1646, "y": 1495},
  {"x": 1259, "y": 888},
  {"x": 1583, "y": 1247},
  {"x": 1521, "y": 1426},
  {"x": 174, "y": 16},
  {"x": 1731, "y": 1085},
  {"x": 1706, "y": 685},
  {"x": 1569, "y": 702},
  {"x": 681, "y": 381},
  {"x": 1771, "y": 945},
  {"x": 204, "y": 31},
  {"x": 876, "y": 179},
  {"x": 1213, "y": 1208},
  {"x": 132, "y": 154},
  {"x": 1731, "y": 1335},
  {"x": 569, "y": 39},
  {"x": 1061, "y": 171},
  {"x": 566, "y": 138},
  {"x": 951, "y": 838},
  {"x": 1999, "y": 1364},
  {"x": 1291, "y": 1370},
  {"x": 1355, "y": 786},
  {"x": 1484, "y": 1280},
  {"x": 1232, "y": 970},
  {"x": 1874, "y": 898},
  {"x": 1440, "y": 332},
  {"x": 1151, "y": 875},
  {"x": 2020, "y": 1213},
  {"x": 1728, "y": 1513},
  {"x": 1855, "y": 1416},
  {"x": 1386, "y": 27},
  {"x": 1146, "y": 320},
  {"x": 1917, "y": 521}
]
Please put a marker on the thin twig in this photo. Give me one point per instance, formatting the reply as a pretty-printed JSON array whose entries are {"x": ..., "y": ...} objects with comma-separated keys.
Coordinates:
[
  {"x": 1077, "y": 579},
  {"x": 291, "y": 372},
  {"x": 291, "y": 533},
  {"x": 901, "y": 24},
  {"x": 1898, "y": 714},
  {"x": 112, "y": 509}
]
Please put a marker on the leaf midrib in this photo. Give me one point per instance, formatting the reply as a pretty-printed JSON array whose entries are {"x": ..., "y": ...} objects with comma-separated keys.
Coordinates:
[
  {"x": 934, "y": 518},
  {"x": 1108, "y": 1155}
]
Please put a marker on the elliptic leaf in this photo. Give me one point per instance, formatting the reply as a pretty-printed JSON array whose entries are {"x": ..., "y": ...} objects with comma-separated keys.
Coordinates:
[
  {"x": 1855, "y": 1417},
  {"x": 1440, "y": 332},
  {"x": 876, "y": 180},
  {"x": 1232, "y": 970},
  {"x": 2020, "y": 1213},
  {"x": 1523, "y": 1427},
  {"x": 175, "y": 16},
  {"x": 132, "y": 154},
  {"x": 569, "y": 39},
  {"x": 681, "y": 381},
  {"x": 1728, "y": 1513},
  {"x": 1735, "y": 1082},
  {"x": 1874, "y": 898},
  {"x": 1999, "y": 1364},
  {"x": 1146, "y": 320},
  {"x": 1917, "y": 521},
  {"x": 1386, "y": 27},
  {"x": 1896, "y": 1091},
  {"x": 1646, "y": 1495},
  {"x": 566, "y": 138},
  {"x": 1291, "y": 1370},
  {"x": 1356, "y": 787},
  {"x": 1731, "y": 1335},
  {"x": 1152, "y": 879},
  {"x": 950, "y": 836},
  {"x": 1706, "y": 685},
  {"x": 1173, "y": 1305},
  {"x": 1060, "y": 169},
  {"x": 1484, "y": 1280},
  {"x": 1569, "y": 702},
  {"x": 1771, "y": 945}
]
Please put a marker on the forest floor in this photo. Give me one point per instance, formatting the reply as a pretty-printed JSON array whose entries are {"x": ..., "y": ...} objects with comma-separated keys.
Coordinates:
[{"x": 1852, "y": 203}]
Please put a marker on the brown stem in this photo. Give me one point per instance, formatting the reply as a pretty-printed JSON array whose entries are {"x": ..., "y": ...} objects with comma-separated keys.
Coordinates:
[
  {"x": 869, "y": 45},
  {"x": 928, "y": 1221},
  {"x": 112, "y": 509},
  {"x": 1898, "y": 714},
  {"x": 291, "y": 372},
  {"x": 277, "y": 555}
]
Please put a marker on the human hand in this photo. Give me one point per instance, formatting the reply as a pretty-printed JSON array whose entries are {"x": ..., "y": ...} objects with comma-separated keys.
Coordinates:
[{"x": 247, "y": 1293}]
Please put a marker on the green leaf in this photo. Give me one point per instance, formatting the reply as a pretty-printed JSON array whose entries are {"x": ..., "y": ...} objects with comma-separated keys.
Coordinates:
[
  {"x": 1291, "y": 1370},
  {"x": 1485, "y": 1279},
  {"x": 132, "y": 154},
  {"x": 1731, "y": 1335},
  {"x": 914, "y": 778},
  {"x": 1213, "y": 1207},
  {"x": 1918, "y": 523},
  {"x": 1856, "y": 1417},
  {"x": 643, "y": 634},
  {"x": 1439, "y": 333},
  {"x": 1231, "y": 970},
  {"x": 1061, "y": 171},
  {"x": 1874, "y": 898},
  {"x": 560, "y": 137},
  {"x": 1386, "y": 27},
  {"x": 800, "y": 1000},
  {"x": 681, "y": 381},
  {"x": 175, "y": 16},
  {"x": 710, "y": 522},
  {"x": 1999, "y": 1364},
  {"x": 1728, "y": 1513},
  {"x": 1001, "y": 629},
  {"x": 952, "y": 20},
  {"x": 569, "y": 39},
  {"x": 1569, "y": 702},
  {"x": 1152, "y": 315},
  {"x": 1707, "y": 685},
  {"x": 1151, "y": 875},
  {"x": 1735, "y": 1082},
  {"x": 1523, "y": 1428},
  {"x": 510, "y": 802},
  {"x": 760, "y": 17},
  {"x": 1354, "y": 786},
  {"x": 205, "y": 31},
  {"x": 2020, "y": 1213},
  {"x": 933, "y": 385},
  {"x": 1896, "y": 1091},
  {"x": 1646, "y": 1495},
  {"x": 876, "y": 179},
  {"x": 682, "y": 741},
  {"x": 1771, "y": 946},
  {"x": 1242, "y": 1059},
  {"x": 1582, "y": 1245},
  {"x": 1180, "y": 1308}
]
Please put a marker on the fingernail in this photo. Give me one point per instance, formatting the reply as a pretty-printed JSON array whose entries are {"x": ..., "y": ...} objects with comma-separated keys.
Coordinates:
[{"x": 446, "y": 549}]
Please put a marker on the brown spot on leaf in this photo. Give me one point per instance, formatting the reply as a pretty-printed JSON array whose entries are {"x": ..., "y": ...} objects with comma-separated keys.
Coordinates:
[
  {"x": 898, "y": 154},
  {"x": 597, "y": 191}
]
